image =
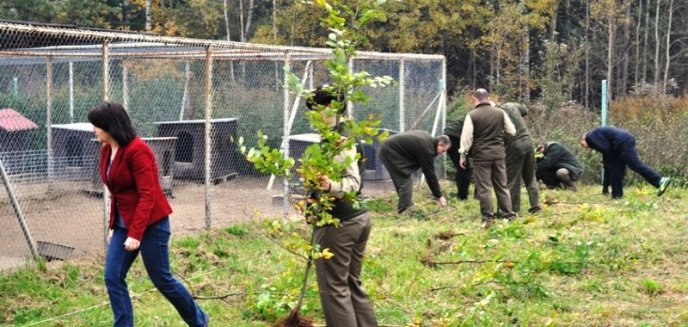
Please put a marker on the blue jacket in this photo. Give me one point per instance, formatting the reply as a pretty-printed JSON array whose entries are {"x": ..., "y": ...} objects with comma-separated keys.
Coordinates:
[{"x": 609, "y": 141}]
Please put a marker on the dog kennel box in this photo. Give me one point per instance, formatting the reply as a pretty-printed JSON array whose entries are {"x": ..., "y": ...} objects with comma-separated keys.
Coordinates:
[
  {"x": 374, "y": 168},
  {"x": 189, "y": 156},
  {"x": 75, "y": 152}
]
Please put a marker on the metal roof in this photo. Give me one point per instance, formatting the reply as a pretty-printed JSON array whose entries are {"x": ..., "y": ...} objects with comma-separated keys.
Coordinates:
[
  {"x": 12, "y": 121},
  {"x": 27, "y": 39},
  {"x": 13, "y": 40}
]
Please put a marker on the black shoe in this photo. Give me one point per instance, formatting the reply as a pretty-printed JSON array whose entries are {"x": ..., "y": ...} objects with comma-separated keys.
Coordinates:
[{"x": 535, "y": 210}]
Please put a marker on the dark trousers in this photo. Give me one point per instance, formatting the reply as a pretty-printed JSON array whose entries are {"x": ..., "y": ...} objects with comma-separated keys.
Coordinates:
[
  {"x": 628, "y": 157},
  {"x": 606, "y": 183},
  {"x": 344, "y": 302},
  {"x": 154, "y": 252},
  {"x": 522, "y": 167},
  {"x": 463, "y": 176},
  {"x": 486, "y": 175},
  {"x": 403, "y": 184}
]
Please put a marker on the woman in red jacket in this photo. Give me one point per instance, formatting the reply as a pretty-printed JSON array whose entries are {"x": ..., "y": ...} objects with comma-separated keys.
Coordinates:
[{"x": 139, "y": 216}]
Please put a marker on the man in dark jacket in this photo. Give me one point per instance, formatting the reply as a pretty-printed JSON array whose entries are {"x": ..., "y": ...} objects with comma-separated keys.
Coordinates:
[
  {"x": 618, "y": 151},
  {"x": 463, "y": 175},
  {"x": 520, "y": 159},
  {"x": 557, "y": 166},
  {"x": 403, "y": 154},
  {"x": 483, "y": 137}
]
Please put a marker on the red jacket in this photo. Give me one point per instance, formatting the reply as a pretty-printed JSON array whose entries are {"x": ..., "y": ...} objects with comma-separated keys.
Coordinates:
[{"x": 135, "y": 186}]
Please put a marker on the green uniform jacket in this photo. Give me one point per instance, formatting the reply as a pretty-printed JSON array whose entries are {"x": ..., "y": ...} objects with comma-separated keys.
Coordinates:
[
  {"x": 557, "y": 156},
  {"x": 521, "y": 143},
  {"x": 410, "y": 151},
  {"x": 454, "y": 128}
]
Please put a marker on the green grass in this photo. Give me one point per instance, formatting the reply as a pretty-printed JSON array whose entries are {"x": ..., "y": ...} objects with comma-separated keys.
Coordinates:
[{"x": 586, "y": 260}]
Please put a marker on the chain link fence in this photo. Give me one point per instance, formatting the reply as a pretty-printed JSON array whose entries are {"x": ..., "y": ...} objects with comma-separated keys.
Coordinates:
[{"x": 190, "y": 100}]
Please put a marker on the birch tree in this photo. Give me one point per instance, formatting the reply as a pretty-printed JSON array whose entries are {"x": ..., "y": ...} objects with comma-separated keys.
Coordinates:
[{"x": 668, "y": 47}]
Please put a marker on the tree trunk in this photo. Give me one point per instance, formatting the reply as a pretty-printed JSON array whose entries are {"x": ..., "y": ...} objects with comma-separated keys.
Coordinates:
[
  {"x": 242, "y": 36},
  {"x": 525, "y": 64},
  {"x": 668, "y": 47},
  {"x": 274, "y": 41},
  {"x": 610, "y": 51},
  {"x": 274, "y": 20},
  {"x": 524, "y": 59},
  {"x": 226, "y": 13},
  {"x": 643, "y": 72},
  {"x": 148, "y": 16},
  {"x": 125, "y": 12},
  {"x": 229, "y": 38},
  {"x": 474, "y": 69},
  {"x": 249, "y": 17},
  {"x": 636, "y": 76},
  {"x": 657, "y": 41},
  {"x": 553, "y": 23},
  {"x": 241, "y": 21},
  {"x": 623, "y": 83},
  {"x": 587, "y": 54}
]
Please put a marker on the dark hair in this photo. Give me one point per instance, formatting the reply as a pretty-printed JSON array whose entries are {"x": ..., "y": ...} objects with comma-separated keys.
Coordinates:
[
  {"x": 324, "y": 95},
  {"x": 443, "y": 140},
  {"x": 113, "y": 119}
]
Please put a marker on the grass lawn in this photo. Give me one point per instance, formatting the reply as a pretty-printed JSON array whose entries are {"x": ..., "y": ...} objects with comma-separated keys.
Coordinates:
[{"x": 586, "y": 260}]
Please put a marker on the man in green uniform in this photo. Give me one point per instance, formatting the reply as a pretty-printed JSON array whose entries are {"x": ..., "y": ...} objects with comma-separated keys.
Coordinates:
[
  {"x": 403, "y": 154},
  {"x": 463, "y": 175},
  {"x": 557, "y": 166},
  {"x": 520, "y": 159},
  {"x": 483, "y": 135}
]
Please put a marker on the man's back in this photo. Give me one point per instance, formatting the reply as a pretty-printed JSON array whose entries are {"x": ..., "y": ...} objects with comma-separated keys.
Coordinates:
[
  {"x": 520, "y": 143},
  {"x": 556, "y": 155},
  {"x": 488, "y": 132},
  {"x": 409, "y": 150},
  {"x": 608, "y": 140}
]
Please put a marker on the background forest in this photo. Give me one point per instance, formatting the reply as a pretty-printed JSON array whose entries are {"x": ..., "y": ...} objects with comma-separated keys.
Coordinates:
[{"x": 558, "y": 50}]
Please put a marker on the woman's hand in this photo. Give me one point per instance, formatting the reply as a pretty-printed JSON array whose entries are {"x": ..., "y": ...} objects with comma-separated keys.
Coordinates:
[
  {"x": 131, "y": 244},
  {"x": 110, "y": 235}
]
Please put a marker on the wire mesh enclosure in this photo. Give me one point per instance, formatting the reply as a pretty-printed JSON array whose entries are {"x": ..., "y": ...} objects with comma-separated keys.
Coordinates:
[{"x": 191, "y": 100}]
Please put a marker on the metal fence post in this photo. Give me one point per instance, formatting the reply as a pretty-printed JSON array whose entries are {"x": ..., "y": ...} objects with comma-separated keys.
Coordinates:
[
  {"x": 18, "y": 211},
  {"x": 603, "y": 123},
  {"x": 208, "y": 127},
  {"x": 49, "y": 118},
  {"x": 71, "y": 91},
  {"x": 349, "y": 103},
  {"x": 286, "y": 127},
  {"x": 125, "y": 86},
  {"x": 185, "y": 94},
  {"x": 402, "y": 113},
  {"x": 106, "y": 97},
  {"x": 443, "y": 107}
]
